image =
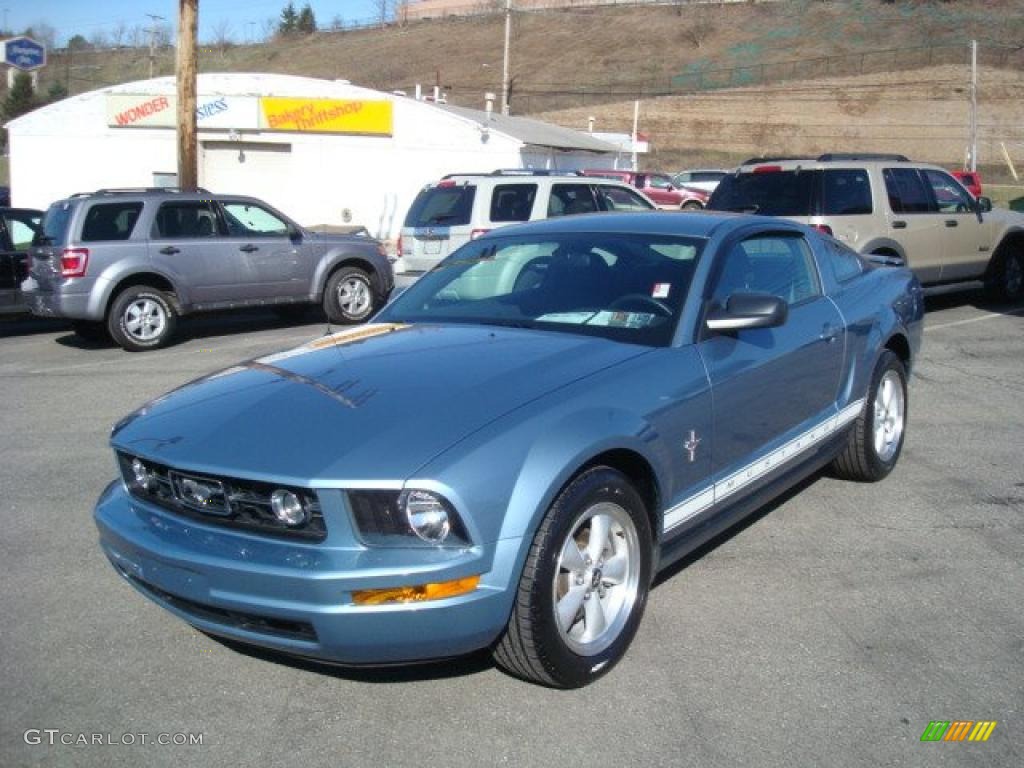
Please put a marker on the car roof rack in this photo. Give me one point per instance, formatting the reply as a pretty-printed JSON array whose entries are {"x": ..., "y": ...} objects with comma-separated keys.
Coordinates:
[
  {"x": 513, "y": 172},
  {"x": 137, "y": 190},
  {"x": 776, "y": 159},
  {"x": 849, "y": 156}
]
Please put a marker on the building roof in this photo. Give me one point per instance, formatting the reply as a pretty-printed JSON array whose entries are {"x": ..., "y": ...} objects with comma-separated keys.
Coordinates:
[{"x": 534, "y": 132}]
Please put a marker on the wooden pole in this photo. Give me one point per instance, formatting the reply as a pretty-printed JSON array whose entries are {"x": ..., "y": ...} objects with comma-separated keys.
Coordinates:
[{"x": 188, "y": 165}]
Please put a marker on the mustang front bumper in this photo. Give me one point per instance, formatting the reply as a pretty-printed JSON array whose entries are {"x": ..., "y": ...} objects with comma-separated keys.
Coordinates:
[{"x": 296, "y": 597}]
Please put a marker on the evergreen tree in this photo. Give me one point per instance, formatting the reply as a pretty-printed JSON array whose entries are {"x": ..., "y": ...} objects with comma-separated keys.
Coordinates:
[
  {"x": 306, "y": 23},
  {"x": 21, "y": 98},
  {"x": 56, "y": 91},
  {"x": 289, "y": 20}
]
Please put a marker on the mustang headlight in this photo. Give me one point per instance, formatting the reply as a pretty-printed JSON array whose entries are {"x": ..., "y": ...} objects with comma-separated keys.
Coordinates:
[{"x": 410, "y": 518}]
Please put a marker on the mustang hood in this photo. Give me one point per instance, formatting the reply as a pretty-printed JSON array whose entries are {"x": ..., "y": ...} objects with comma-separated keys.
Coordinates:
[{"x": 371, "y": 403}]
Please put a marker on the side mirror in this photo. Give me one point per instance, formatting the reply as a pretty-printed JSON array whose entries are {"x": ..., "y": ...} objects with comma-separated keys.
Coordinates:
[
  {"x": 294, "y": 233},
  {"x": 748, "y": 310},
  {"x": 984, "y": 204}
]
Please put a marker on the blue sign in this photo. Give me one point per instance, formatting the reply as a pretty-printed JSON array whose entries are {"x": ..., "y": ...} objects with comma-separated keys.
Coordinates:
[{"x": 24, "y": 53}]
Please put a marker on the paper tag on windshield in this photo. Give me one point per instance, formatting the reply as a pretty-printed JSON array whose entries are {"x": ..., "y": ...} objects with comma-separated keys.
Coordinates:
[{"x": 661, "y": 290}]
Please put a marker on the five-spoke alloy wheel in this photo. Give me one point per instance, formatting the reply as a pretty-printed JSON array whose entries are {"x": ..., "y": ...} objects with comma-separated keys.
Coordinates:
[{"x": 584, "y": 585}]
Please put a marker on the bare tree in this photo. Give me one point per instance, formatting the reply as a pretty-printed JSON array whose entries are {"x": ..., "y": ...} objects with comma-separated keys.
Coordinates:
[
  {"x": 337, "y": 23},
  {"x": 118, "y": 33},
  {"x": 222, "y": 36},
  {"x": 99, "y": 39},
  {"x": 383, "y": 10},
  {"x": 164, "y": 35},
  {"x": 137, "y": 37},
  {"x": 268, "y": 28},
  {"x": 44, "y": 33}
]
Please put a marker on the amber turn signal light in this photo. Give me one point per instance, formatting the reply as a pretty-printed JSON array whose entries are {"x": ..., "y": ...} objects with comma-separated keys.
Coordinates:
[{"x": 415, "y": 594}]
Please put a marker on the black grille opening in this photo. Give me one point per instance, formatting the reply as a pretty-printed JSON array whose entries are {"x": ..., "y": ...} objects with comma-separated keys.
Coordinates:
[
  {"x": 251, "y": 622},
  {"x": 232, "y": 503}
]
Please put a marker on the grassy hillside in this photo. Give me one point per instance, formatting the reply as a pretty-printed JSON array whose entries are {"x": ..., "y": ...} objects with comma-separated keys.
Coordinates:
[{"x": 571, "y": 64}]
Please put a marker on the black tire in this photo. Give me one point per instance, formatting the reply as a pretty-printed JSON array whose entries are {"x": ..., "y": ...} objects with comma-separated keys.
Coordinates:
[
  {"x": 692, "y": 205},
  {"x": 861, "y": 460},
  {"x": 534, "y": 645},
  {"x": 1006, "y": 281},
  {"x": 141, "y": 318},
  {"x": 90, "y": 331},
  {"x": 351, "y": 296}
]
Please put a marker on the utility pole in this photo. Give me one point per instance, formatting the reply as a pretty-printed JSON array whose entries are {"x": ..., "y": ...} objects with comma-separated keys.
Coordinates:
[
  {"x": 636, "y": 125},
  {"x": 504, "y": 71},
  {"x": 152, "y": 41},
  {"x": 974, "y": 105},
  {"x": 188, "y": 22}
]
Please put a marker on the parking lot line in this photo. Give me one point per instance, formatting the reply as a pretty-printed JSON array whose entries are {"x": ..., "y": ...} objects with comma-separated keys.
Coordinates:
[{"x": 978, "y": 319}]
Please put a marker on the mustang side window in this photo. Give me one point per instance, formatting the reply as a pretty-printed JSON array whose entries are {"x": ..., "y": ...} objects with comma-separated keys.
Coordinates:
[{"x": 780, "y": 265}]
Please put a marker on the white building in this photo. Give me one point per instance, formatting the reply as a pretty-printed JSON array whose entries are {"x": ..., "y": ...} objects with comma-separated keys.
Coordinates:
[{"x": 324, "y": 152}]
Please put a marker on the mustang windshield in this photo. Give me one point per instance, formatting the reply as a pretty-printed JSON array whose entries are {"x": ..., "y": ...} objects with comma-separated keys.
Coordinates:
[{"x": 625, "y": 287}]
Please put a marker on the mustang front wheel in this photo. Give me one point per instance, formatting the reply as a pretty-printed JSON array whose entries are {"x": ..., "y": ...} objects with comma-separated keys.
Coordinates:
[{"x": 584, "y": 585}]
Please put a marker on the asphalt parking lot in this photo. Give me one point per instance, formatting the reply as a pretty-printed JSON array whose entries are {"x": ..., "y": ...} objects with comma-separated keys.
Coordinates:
[{"x": 828, "y": 631}]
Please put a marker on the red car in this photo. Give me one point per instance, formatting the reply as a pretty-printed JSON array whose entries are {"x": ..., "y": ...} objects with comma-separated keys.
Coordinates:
[
  {"x": 658, "y": 187},
  {"x": 971, "y": 180}
]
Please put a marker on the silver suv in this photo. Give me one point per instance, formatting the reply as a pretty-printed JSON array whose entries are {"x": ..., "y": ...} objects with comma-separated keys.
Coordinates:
[
  {"x": 886, "y": 205},
  {"x": 462, "y": 206},
  {"x": 128, "y": 262}
]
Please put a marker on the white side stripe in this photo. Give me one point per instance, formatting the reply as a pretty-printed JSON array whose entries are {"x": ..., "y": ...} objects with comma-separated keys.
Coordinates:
[{"x": 738, "y": 480}]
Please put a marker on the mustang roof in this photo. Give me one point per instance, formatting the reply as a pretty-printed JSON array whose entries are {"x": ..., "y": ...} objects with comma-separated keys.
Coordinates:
[{"x": 650, "y": 222}]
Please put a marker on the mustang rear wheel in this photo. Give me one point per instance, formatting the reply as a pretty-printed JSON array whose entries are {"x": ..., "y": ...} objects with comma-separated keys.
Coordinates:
[
  {"x": 584, "y": 585},
  {"x": 877, "y": 437}
]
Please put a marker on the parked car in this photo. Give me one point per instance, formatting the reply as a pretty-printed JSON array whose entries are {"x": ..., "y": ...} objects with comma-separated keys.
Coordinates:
[
  {"x": 460, "y": 207},
  {"x": 658, "y": 187},
  {"x": 515, "y": 447},
  {"x": 889, "y": 206},
  {"x": 18, "y": 226},
  {"x": 705, "y": 179},
  {"x": 971, "y": 181},
  {"x": 129, "y": 262}
]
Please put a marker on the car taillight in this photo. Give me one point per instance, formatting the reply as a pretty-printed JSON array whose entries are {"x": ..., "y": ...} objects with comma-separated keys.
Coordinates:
[
  {"x": 73, "y": 262},
  {"x": 399, "y": 246},
  {"x": 767, "y": 169},
  {"x": 825, "y": 229},
  {"x": 478, "y": 233}
]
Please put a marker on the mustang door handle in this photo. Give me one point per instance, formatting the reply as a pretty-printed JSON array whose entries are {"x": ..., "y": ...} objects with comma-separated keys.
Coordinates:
[
  {"x": 899, "y": 225},
  {"x": 829, "y": 333},
  {"x": 249, "y": 248},
  {"x": 169, "y": 250}
]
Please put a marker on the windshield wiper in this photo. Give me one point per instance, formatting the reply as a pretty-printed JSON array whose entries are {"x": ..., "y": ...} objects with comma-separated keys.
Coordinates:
[{"x": 441, "y": 217}]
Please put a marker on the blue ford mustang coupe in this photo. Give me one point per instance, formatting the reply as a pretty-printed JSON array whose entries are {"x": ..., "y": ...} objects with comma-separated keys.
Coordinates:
[{"x": 508, "y": 455}]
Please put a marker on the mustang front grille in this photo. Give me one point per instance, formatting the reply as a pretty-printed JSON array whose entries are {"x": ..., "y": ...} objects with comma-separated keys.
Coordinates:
[{"x": 230, "y": 502}]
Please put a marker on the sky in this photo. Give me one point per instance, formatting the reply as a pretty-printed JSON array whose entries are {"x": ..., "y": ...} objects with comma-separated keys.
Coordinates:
[{"x": 246, "y": 17}]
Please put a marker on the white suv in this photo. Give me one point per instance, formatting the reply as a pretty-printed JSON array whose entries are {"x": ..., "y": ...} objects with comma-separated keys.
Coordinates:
[
  {"x": 886, "y": 205},
  {"x": 460, "y": 207}
]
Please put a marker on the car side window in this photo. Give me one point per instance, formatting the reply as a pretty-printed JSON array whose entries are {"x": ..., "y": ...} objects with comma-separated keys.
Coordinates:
[
  {"x": 776, "y": 264},
  {"x": 949, "y": 195},
  {"x": 660, "y": 182},
  {"x": 22, "y": 229},
  {"x": 570, "y": 199},
  {"x": 907, "y": 192},
  {"x": 621, "y": 199},
  {"x": 110, "y": 221},
  {"x": 512, "y": 202},
  {"x": 189, "y": 219},
  {"x": 847, "y": 192},
  {"x": 251, "y": 220}
]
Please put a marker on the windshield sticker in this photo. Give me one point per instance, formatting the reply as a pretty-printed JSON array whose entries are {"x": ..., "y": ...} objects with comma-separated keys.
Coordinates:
[{"x": 661, "y": 290}]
